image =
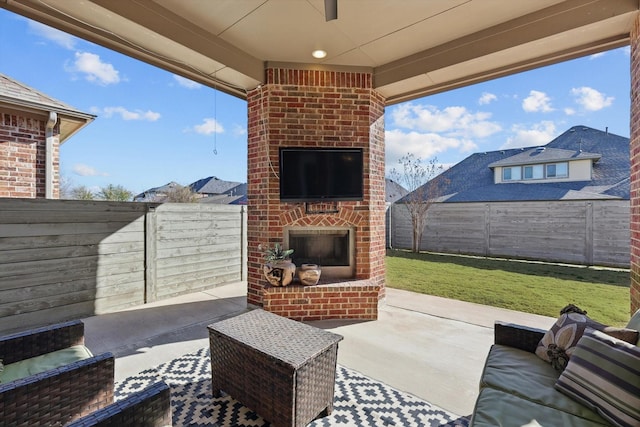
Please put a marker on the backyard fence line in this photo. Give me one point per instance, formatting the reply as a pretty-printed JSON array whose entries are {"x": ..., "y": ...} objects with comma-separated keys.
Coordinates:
[
  {"x": 592, "y": 232},
  {"x": 68, "y": 259}
]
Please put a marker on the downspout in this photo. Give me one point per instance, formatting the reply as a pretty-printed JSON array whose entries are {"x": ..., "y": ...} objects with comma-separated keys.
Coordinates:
[{"x": 51, "y": 140}]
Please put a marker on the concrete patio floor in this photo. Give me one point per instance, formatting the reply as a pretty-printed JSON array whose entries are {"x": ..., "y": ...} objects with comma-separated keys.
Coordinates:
[{"x": 431, "y": 347}]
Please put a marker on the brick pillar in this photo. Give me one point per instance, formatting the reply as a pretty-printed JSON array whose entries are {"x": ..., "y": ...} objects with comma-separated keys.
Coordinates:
[
  {"x": 22, "y": 157},
  {"x": 316, "y": 108},
  {"x": 635, "y": 166}
]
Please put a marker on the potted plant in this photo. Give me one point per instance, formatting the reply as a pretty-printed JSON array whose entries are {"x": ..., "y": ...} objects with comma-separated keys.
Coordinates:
[{"x": 278, "y": 268}]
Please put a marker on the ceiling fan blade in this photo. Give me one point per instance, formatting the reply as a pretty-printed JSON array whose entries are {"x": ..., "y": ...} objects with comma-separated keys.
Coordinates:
[{"x": 330, "y": 10}]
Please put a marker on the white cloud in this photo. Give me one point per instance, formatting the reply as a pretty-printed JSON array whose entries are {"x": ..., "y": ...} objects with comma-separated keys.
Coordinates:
[
  {"x": 422, "y": 145},
  {"x": 539, "y": 134},
  {"x": 487, "y": 98},
  {"x": 591, "y": 99},
  {"x": 208, "y": 127},
  {"x": 94, "y": 69},
  {"x": 189, "y": 84},
  {"x": 537, "y": 102},
  {"x": 451, "y": 121},
  {"x": 84, "y": 170},
  {"x": 627, "y": 50},
  {"x": 597, "y": 55},
  {"x": 239, "y": 130},
  {"x": 63, "y": 39},
  {"x": 150, "y": 116},
  {"x": 569, "y": 111}
]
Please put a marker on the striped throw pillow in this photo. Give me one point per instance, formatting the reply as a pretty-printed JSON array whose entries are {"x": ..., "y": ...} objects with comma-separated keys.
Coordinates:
[{"x": 604, "y": 374}]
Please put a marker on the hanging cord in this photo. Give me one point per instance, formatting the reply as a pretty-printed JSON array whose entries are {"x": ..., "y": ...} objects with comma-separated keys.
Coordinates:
[
  {"x": 215, "y": 114},
  {"x": 264, "y": 132}
]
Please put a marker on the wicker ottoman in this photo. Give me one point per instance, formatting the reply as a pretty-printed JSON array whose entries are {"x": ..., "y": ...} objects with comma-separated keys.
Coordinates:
[{"x": 282, "y": 369}]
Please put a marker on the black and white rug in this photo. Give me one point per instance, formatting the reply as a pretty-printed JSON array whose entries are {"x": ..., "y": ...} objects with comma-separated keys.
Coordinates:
[{"x": 359, "y": 401}]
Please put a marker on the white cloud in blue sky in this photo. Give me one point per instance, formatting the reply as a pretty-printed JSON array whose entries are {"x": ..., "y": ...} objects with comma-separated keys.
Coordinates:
[
  {"x": 94, "y": 69},
  {"x": 487, "y": 98},
  {"x": 537, "y": 102},
  {"x": 125, "y": 114},
  {"x": 186, "y": 83},
  {"x": 65, "y": 40},
  {"x": 590, "y": 99},
  {"x": 209, "y": 126},
  {"x": 538, "y": 134},
  {"x": 85, "y": 170}
]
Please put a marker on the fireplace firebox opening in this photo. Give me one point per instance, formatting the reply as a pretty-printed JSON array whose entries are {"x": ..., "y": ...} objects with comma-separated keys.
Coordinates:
[{"x": 332, "y": 248}]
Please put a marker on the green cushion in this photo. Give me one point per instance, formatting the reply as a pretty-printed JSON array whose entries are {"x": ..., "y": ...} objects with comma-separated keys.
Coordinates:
[
  {"x": 529, "y": 377},
  {"x": 604, "y": 374},
  {"x": 495, "y": 408},
  {"x": 43, "y": 363}
]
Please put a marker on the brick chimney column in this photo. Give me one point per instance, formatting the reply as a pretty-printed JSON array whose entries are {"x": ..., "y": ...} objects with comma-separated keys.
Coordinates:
[
  {"x": 635, "y": 166},
  {"x": 316, "y": 108}
]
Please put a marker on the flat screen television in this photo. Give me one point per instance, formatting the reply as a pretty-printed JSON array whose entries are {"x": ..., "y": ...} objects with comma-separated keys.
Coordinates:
[{"x": 321, "y": 174}]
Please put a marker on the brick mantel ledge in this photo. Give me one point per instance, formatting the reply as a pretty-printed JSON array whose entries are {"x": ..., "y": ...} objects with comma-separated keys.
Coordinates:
[{"x": 356, "y": 299}]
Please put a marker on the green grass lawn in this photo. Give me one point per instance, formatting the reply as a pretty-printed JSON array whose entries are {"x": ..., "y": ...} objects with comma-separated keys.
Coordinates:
[{"x": 524, "y": 286}]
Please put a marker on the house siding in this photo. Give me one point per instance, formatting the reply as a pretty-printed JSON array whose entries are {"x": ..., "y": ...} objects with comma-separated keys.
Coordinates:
[{"x": 23, "y": 157}]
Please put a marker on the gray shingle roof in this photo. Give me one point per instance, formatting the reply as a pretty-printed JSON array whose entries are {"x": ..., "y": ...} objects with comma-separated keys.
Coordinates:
[
  {"x": 472, "y": 179},
  {"x": 13, "y": 91},
  {"x": 544, "y": 155},
  {"x": 213, "y": 185}
]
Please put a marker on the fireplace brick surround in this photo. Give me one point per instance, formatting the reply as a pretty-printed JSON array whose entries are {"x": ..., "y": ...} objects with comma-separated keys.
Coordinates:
[{"x": 316, "y": 108}]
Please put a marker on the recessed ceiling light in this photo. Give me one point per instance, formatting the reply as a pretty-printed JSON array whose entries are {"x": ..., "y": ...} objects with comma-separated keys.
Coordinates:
[{"x": 319, "y": 54}]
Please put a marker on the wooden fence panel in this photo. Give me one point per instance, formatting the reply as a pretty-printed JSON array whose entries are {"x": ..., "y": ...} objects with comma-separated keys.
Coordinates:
[
  {"x": 61, "y": 259},
  {"x": 582, "y": 232},
  {"x": 196, "y": 246},
  {"x": 67, "y": 259}
]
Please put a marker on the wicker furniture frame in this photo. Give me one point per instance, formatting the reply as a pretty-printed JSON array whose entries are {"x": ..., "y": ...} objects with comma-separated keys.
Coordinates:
[
  {"x": 58, "y": 396},
  {"x": 517, "y": 336},
  {"x": 150, "y": 407},
  {"x": 282, "y": 369}
]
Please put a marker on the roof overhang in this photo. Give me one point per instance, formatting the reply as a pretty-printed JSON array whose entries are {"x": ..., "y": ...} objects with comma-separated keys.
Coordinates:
[
  {"x": 70, "y": 121},
  {"x": 413, "y": 48}
]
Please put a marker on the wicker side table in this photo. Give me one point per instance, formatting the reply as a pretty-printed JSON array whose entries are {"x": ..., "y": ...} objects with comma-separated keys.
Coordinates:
[{"x": 282, "y": 369}]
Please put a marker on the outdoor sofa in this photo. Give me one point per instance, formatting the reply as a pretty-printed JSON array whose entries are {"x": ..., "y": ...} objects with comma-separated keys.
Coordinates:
[
  {"x": 518, "y": 388},
  {"x": 48, "y": 377}
]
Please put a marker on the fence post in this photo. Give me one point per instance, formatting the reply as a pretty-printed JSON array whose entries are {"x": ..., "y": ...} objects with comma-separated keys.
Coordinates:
[
  {"x": 244, "y": 260},
  {"x": 150, "y": 255},
  {"x": 588, "y": 234},
  {"x": 487, "y": 229}
]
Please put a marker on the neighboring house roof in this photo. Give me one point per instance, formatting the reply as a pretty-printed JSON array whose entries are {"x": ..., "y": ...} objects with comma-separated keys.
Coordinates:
[
  {"x": 472, "y": 180},
  {"x": 22, "y": 97},
  {"x": 224, "y": 199},
  {"x": 544, "y": 155},
  {"x": 156, "y": 194},
  {"x": 212, "y": 185},
  {"x": 393, "y": 191}
]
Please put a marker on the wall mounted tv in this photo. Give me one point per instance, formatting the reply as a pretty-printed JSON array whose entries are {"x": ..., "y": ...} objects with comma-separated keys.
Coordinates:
[{"x": 321, "y": 174}]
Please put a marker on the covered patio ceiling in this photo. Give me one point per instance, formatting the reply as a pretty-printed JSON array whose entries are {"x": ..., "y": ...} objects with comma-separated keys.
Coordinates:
[{"x": 413, "y": 48}]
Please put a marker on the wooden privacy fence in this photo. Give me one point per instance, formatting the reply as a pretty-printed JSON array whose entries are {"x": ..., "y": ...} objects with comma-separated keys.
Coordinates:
[
  {"x": 580, "y": 232},
  {"x": 66, "y": 259}
]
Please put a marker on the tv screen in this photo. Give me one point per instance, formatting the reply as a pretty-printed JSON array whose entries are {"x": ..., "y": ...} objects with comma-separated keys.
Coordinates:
[{"x": 321, "y": 174}]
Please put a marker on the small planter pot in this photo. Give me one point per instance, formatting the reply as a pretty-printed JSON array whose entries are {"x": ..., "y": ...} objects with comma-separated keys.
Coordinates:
[
  {"x": 309, "y": 274},
  {"x": 279, "y": 273}
]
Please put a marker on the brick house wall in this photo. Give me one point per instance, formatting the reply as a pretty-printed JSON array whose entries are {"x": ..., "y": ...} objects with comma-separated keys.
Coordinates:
[
  {"x": 634, "y": 152},
  {"x": 23, "y": 156},
  {"x": 314, "y": 108}
]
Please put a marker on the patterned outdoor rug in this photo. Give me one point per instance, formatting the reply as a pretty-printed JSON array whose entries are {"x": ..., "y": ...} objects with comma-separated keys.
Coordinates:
[{"x": 359, "y": 401}]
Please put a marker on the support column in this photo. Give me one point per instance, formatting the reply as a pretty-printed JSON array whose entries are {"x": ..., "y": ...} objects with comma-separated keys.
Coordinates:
[
  {"x": 634, "y": 151},
  {"x": 316, "y": 108}
]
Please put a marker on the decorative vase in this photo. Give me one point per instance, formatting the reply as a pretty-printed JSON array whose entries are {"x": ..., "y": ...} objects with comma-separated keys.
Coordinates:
[
  {"x": 309, "y": 274},
  {"x": 279, "y": 273}
]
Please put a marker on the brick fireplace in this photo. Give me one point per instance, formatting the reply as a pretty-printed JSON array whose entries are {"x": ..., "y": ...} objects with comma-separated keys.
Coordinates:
[{"x": 322, "y": 109}]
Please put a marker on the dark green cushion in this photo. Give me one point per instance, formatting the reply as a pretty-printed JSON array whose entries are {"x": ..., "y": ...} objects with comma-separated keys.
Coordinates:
[
  {"x": 495, "y": 408},
  {"x": 43, "y": 363},
  {"x": 529, "y": 377}
]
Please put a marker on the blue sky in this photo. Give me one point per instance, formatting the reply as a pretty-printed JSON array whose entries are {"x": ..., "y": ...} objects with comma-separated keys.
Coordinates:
[{"x": 153, "y": 127}]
